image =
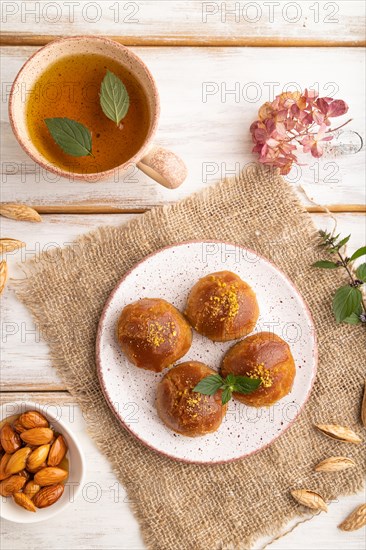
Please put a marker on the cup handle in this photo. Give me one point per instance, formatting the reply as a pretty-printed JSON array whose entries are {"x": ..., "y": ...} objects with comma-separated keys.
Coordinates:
[{"x": 164, "y": 166}]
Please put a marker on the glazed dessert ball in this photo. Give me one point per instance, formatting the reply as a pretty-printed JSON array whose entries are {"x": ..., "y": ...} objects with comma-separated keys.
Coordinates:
[
  {"x": 222, "y": 307},
  {"x": 183, "y": 410},
  {"x": 267, "y": 357},
  {"x": 153, "y": 334}
]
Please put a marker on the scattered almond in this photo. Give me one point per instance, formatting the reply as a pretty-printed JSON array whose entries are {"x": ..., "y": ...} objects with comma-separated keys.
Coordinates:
[
  {"x": 37, "y": 436},
  {"x": 57, "y": 452},
  {"x": 335, "y": 464},
  {"x": 11, "y": 485},
  {"x": 23, "y": 500},
  {"x": 50, "y": 476},
  {"x": 9, "y": 245},
  {"x": 310, "y": 499},
  {"x": 363, "y": 408},
  {"x": 3, "y": 463},
  {"x": 48, "y": 495},
  {"x": 18, "y": 460},
  {"x": 31, "y": 488},
  {"x": 341, "y": 433},
  {"x": 355, "y": 520},
  {"x": 33, "y": 419},
  {"x": 10, "y": 440},
  {"x": 37, "y": 457},
  {"x": 19, "y": 212},
  {"x": 3, "y": 274}
]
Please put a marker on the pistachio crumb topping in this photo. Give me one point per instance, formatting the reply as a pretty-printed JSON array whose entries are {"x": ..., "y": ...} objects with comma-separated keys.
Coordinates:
[{"x": 263, "y": 374}]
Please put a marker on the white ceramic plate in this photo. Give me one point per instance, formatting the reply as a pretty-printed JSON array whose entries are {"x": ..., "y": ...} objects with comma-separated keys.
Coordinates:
[{"x": 169, "y": 274}]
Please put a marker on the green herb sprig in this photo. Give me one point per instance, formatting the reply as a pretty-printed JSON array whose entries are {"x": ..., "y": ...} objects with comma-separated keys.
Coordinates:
[
  {"x": 348, "y": 302},
  {"x": 213, "y": 383}
]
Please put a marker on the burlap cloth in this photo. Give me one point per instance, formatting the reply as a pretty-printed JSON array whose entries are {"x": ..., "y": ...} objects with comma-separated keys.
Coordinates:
[{"x": 197, "y": 507}]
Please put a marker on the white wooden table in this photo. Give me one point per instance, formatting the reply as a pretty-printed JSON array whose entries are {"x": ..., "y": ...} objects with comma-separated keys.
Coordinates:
[{"x": 198, "y": 53}]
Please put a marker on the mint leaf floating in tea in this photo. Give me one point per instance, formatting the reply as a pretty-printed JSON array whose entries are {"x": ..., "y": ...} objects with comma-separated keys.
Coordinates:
[
  {"x": 241, "y": 384},
  {"x": 114, "y": 98},
  {"x": 73, "y": 137}
]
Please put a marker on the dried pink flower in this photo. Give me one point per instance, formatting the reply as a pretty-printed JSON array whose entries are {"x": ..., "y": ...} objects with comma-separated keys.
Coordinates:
[{"x": 290, "y": 120}]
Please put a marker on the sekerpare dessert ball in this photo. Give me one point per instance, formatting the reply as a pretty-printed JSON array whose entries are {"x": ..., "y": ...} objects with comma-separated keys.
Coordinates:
[
  {"x": 184, "y": 411},
  {"x": 222, "y": 307},
  {"x": 153, "y": 334},
  {"x": 265, "y": 356}
]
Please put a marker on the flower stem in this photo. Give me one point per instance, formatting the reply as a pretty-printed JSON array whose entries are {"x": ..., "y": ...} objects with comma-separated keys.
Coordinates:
[{"x": 338, "y": 127}]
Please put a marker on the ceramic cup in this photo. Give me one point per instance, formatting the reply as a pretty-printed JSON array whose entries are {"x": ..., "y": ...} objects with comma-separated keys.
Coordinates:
[{"x": 162, "y": 165}]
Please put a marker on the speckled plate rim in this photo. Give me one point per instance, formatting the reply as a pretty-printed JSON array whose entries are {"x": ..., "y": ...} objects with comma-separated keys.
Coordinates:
[{"x": 99, "y": 361}]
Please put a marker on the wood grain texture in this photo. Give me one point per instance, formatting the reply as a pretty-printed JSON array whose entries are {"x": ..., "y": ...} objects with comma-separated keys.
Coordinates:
[
  {"x": 100, "y": 517},
  {"x": 205, "y": 117},
  {"x": 188, "y": 22},
  {"x": 25, "y": 362}
]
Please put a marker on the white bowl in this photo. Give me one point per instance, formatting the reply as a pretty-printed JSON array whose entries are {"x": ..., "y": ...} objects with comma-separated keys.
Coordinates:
[{"x": 11, "y": 511}]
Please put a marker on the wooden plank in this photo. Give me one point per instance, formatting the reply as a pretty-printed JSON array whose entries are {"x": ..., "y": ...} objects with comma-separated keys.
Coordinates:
[
  {"x": 104, "y": 518},
  {"x": 206, "y": 115},
  {"x": 186, "y": 22},
  {"x": 25, "y": 362}
]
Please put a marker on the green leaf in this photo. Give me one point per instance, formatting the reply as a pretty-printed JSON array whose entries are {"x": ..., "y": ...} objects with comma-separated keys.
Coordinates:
[
  {"x": 343, "y": 242},
  {"x": 226, "y": 395},
  {"x": 230, "y": 379},
  {"x": 360, "y": 252},
  {"x": 114, "y": 98},
  {"x": 244, "y": 384},
  {"x": 353, "y": 319},
  {"x": 361, "y": 272},
  {"x": 73, "y": 138},
  {"x": 209, "y": 385},
  {"x": 325, "y": 264},
  {"x": 346, "y": 301}
]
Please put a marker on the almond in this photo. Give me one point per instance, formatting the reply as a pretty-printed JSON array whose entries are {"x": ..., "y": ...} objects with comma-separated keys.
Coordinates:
[
  {"x": 3, "y": 274},
  {"x": 57, "y": 452},
  {"x": 341, "y": 433},
  {"x": 50, "y": 476},
  {"x": 24, "y": 501},
  {"x": 33, "y": 419},
  {"x": 9, "y": 245},
  {"x": 37, "y": 457},
  {"x": 21, "y": 212},
  {"x": 31, "y": 488},
  {"x": 9, "y": 439},
  {"x": 25, "y": 474},
  {"x": 4, "y": 461},
  {"x": 35, "y": 470},
  {"x": 18, "y": 461},
  {"x": 48, "y": 496},
  {"x": 37, "y": 436},
  {"x": 355, "y": 520},
  {"x": 18, "y": 427},
  {"x": 335, "y": 464},
  {"x": 11, "y": 485},
  {"x": 363, "y": 408},
  {"x": 310, "y": 499}
]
